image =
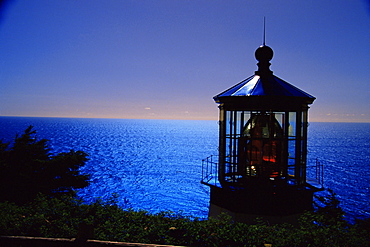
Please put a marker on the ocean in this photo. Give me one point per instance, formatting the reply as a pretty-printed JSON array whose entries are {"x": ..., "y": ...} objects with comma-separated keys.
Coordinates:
[{"x": 155, "y": 165}]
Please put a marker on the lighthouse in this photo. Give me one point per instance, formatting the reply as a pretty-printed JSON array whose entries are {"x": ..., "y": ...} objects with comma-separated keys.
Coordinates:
[{"x": 261, "y": 167}]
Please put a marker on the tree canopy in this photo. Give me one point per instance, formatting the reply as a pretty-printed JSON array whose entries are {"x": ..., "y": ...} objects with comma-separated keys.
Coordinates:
[{"x": 28, "y": 168}]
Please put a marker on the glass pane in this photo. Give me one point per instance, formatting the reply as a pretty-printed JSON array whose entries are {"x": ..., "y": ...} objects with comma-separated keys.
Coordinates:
[
  {"x": 292, "y": 124},
  {"x": 227, "y": 122}
]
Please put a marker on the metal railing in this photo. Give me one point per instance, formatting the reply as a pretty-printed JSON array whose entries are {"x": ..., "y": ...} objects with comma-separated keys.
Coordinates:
[
  {"x": 210, "y": 171},
  {"x": 315, "y": 172}
]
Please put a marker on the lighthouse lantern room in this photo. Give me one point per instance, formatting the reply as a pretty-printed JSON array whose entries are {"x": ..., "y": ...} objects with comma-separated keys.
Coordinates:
[{"x": 261, "y": 168}]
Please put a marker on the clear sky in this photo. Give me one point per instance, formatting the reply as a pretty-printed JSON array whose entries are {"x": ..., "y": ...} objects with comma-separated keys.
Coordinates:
[{"x": 168, "y": 58}]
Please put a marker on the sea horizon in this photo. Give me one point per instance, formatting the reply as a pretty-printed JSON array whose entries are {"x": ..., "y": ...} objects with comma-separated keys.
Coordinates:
[{"x": 163, "y": 119}]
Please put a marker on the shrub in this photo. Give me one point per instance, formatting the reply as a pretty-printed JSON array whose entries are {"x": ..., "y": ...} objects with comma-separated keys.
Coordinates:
[
  {"x": 68, "y": 217},
  {"x": 28, "y": 168}
]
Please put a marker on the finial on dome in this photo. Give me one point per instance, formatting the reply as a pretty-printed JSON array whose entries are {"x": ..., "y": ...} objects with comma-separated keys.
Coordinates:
[{"x": 264, "y": 54}]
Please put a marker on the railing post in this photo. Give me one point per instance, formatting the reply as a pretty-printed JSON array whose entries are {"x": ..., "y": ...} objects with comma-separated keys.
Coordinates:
[{"x": 209, "y": 170}]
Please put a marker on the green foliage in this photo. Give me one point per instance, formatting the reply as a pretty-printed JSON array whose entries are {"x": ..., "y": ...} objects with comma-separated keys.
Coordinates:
[
  {"x": 69, "y": 218},
  {"x": 28, "y": 168},
  {"x": 329, "y": 210}
]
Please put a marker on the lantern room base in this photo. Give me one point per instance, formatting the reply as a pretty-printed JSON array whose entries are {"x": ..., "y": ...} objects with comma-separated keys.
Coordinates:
[{"x": 277, "y": 205}]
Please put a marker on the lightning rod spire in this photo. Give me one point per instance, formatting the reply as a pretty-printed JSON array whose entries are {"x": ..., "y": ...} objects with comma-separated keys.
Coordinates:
[{"x": 264, "y": 30}]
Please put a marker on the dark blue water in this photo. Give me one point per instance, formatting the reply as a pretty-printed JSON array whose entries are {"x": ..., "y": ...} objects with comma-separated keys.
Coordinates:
[{"x": 155, "y": 165}]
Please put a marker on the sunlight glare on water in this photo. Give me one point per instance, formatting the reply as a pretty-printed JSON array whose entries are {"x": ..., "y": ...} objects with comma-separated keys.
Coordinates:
[{"x": 155, "y": 165}]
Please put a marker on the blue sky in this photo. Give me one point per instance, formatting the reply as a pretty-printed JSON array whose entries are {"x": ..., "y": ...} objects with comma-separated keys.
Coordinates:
[{"x": 168, "y": 58}]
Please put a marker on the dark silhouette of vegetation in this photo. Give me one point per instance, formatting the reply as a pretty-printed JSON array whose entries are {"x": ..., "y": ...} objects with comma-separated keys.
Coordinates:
[
  {"x": 329, "y": 209},
  {"x": 67, "y": 217},
  {"x": 28, "y": 168}
]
